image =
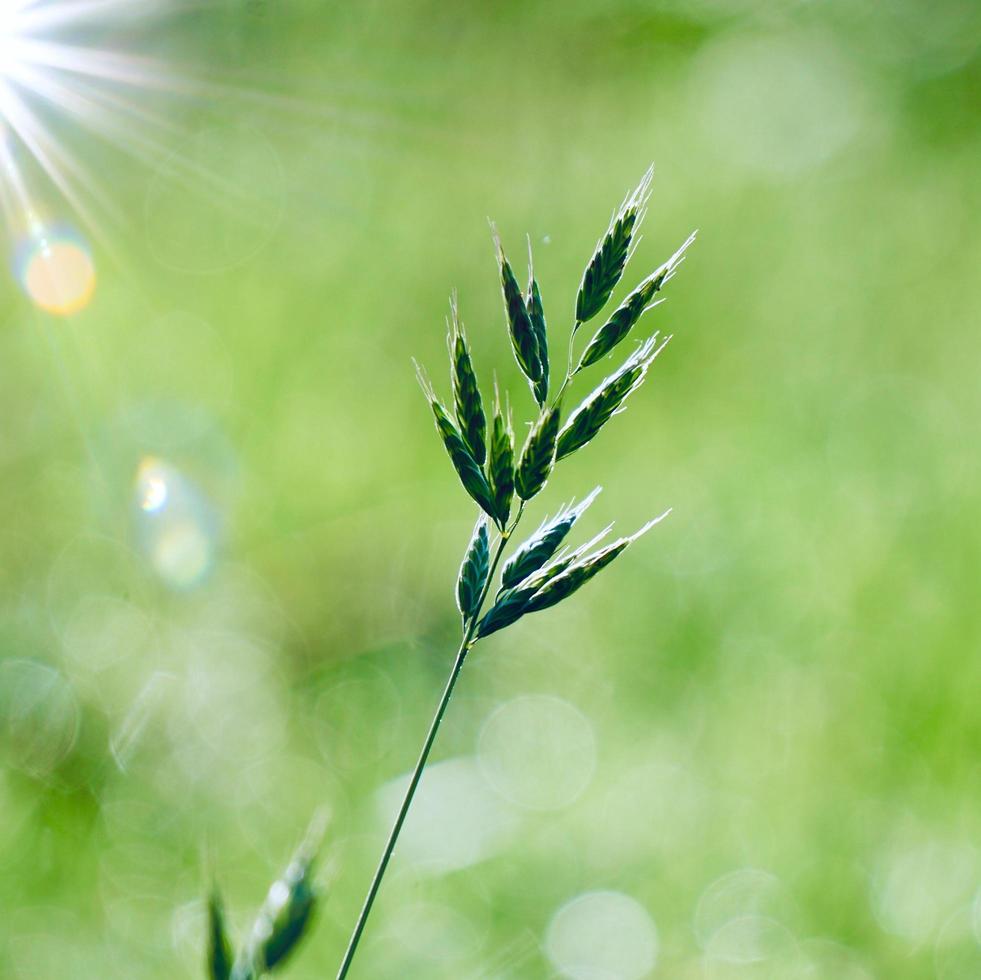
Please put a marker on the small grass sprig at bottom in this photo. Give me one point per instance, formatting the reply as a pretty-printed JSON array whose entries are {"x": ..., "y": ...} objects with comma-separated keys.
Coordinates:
[{"x": 281, "y": 923}]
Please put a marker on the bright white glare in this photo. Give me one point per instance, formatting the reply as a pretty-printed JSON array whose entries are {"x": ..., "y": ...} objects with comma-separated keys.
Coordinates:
[
  {"x": 602, "y": 935},
  {"x": 776, "y": 106},
  {"x": 920, "y": 883},
  {"x": 455, "y": 822},
  {"x": 747, "y": 893},
  {"x": 8, "y": 35},
  {"x": 154, "y": 492},
  {"x": 538, "y": 752}
]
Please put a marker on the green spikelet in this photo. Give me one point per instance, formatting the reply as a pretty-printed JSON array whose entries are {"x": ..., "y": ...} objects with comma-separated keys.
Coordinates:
[
  {"x": 543, "y": 544},
  {"x": 508, "y": 608},
  {"x": 473, "y": 571},
  {"x": 219, "y": 948},
  {"x": 579, "y": 573},
  {"x": 524, "y": 341},
  {"x": 470, "y": 474},
  {"x": 563, "y": 560},
  {"x": 538, "y": 455},
  {"x": 572, "y": 579},
  {"x": 555, "y": 582},
  {"x": 466, "y": 392},
  {"x": 500, "y": 463},
  {"x": 536, "y": 313},
  {"x": 284, "y": 917},
  {"x": 606, "y": 400},
  {"x": 630, "y": 311},
  {"x": 289, "y": 907},
  {"x": 606, "y": 266}
]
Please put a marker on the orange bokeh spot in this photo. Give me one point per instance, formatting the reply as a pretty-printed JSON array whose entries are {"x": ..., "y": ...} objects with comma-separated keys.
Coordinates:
[{"x": 59, "y": 277}]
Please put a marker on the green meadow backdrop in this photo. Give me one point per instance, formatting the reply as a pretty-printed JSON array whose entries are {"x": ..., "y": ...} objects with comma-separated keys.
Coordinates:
[{"x": 229, "y": 536}]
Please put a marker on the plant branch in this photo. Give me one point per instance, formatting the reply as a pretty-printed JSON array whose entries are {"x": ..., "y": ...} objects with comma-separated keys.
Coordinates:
[{"x": 569, "y": 372}]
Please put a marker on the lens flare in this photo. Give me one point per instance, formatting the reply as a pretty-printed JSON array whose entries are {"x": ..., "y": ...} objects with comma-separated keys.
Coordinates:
[
  {"x": 602, "y": 934},
  {"x": 177, "y": 528},
  {"x": 55, "y": 269}
]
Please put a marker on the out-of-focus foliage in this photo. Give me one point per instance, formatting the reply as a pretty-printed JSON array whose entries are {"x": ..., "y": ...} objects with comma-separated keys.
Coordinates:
[{"x": 229, "y": 539}]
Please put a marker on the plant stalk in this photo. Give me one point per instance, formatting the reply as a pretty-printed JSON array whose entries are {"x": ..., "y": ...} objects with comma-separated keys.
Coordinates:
[{"x": 461, "y": 655}]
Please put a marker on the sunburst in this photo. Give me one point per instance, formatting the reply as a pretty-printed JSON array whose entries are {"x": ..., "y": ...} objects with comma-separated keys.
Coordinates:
[{"x": 51, "y": 82}]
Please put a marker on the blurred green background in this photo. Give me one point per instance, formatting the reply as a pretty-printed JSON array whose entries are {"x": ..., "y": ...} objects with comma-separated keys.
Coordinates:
[{"x": 229, "y": 535}]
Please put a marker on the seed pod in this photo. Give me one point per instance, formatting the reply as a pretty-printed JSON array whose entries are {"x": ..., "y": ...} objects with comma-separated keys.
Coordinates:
[
  {"x": 631, "y": 310},
  {"x": 473, "y": 572},
  {"x": 500, "y": 464},
  {"x": 543, "y": 544},
  {"x": 466, "y": 393},
  {"x": 538, "y": 455},
  {"x": 612, "y": 252},
  {"x": 536, "y": 313},
  {"x": 523, "y": 338},
  {"x": 606, "y": 400},
  {"x": 577, "y": 575},
  {"x": 470, "y": 474},
  {"x": 219, "y": 948}
]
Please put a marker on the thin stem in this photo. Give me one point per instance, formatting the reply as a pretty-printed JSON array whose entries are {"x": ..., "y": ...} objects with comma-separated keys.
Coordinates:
[
  {"x": 568, "y": 368},
  {"x": 461, "y": 655},
  {"x": 403, "y": 811}
]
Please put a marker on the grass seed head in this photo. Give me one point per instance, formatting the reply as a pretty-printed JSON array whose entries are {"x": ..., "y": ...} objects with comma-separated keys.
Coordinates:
[
  {"x": 612, "y": 252},
  {"x": 543, "y": 544},
  {"x": 219, "y": 947},
  {"x": 536, "y": 313},
  {"x": 289, "y": 906},
  {"x": 470, "y": 474},
  {"x": 500, "y": 462},
  {"x": 466, "y": 392},
  {"x": 564, "y": 559},
  {"x": 524, "y": 340},
  {"x": 607, "y": 399},
  {"x": 582, "y": 570},
  {"x": 473, "y": 572},
  {"x": 555, "y": 581},
  {"x": 285, "y": 915},
  {"x": 574, "y": 577},
  {"x": 538, "y": 454},
  {"x": 622, "y": 321},
  {"x": 508, "y": 608}
]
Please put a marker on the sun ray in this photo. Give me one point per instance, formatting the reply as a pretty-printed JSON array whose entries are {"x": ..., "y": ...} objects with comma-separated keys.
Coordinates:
[
  {"x": 71, "y": 12},
  {"x": 111, "y": 66},
  {"x": 117, "y": 120},
  {"x": 59, "y": 166}
]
